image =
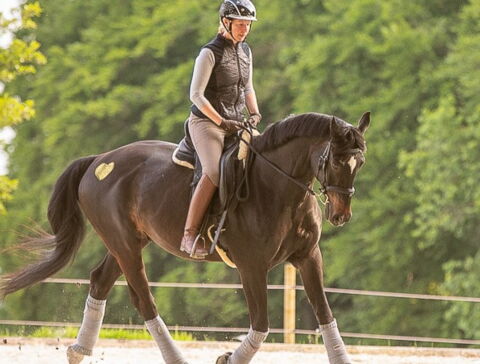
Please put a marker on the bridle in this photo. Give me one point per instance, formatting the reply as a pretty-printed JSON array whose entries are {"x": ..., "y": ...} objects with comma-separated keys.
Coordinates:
[{"x": 321, "y": 166}]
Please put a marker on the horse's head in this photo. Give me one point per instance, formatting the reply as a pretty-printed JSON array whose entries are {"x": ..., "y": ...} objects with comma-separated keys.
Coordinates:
[{"x": 336, "y": 164}]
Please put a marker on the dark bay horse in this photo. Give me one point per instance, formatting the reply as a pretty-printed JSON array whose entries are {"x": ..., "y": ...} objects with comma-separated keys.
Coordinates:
[{"x": 136, "y": 194}]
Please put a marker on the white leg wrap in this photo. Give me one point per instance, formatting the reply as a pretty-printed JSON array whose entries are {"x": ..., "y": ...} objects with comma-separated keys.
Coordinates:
[
  {"x": 90, "y": 329},
  {"x": 88, "y": 333},
  {"x": 337, "y": 354},
  {"x": 159, "y": 331},
  {"x": 73, "y": 357},
  {"x": 249, "y": 346}
]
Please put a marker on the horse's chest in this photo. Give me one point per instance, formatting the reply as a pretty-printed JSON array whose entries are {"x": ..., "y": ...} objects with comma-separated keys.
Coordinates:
[{"x": 301, "y": 232}]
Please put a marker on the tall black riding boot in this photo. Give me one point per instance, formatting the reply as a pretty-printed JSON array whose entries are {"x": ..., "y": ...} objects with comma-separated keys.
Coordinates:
[{"x": 198, "y": 206}]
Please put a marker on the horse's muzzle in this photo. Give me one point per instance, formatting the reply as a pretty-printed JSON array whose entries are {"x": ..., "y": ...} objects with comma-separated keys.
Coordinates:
[
  {"x": 338, "y": 215},
  {"x": 340, "y": 219}
]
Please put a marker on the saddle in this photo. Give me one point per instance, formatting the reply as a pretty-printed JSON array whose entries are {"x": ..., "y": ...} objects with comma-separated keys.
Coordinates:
[{"x": 233, "y": 185}]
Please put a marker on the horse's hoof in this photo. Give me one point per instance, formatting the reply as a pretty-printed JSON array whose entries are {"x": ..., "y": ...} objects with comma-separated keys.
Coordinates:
[
  {"x": 73, "y": 356},
  {"x": 223, "y": 359}
]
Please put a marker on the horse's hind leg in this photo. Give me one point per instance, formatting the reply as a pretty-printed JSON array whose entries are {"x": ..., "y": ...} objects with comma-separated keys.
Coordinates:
[
  {"x": 134, "y": 271},
  {"x": 102, "y": 279},
  {"x": 311, "y": 270}
]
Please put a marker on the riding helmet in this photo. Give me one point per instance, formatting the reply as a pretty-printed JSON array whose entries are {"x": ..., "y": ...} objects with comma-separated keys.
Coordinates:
[{"x": 238, "y": 9}]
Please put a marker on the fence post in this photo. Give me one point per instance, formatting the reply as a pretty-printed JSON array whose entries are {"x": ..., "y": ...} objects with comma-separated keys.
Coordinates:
[{"x": 289, "y": 277}]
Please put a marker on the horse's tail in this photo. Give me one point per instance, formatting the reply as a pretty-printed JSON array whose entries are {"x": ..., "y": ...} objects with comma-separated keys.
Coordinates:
[{"x": 68, "y": 226}]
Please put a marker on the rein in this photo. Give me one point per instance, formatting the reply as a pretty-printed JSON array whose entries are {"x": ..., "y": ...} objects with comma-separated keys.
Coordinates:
[
  {"x": 275, "y": 167},
  {"x": 322, "y": 165}
]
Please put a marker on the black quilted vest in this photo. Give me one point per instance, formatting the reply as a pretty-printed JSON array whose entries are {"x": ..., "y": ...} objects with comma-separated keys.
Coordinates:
[{"x": 226, "y": 88}]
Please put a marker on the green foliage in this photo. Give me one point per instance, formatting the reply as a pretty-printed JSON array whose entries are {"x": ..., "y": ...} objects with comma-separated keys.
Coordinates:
[
  {"x": 71, "y": 332},
  {"x": 22, "y": 55},
  {"x": 120, "y": 72},
  {"x": 444, "y": 167},
  {"x": 20, "y": 58},
  {"x": 462, "y": 279},
  {"x": 13, "y": 111},
  {"x": 7, "y": 186}
]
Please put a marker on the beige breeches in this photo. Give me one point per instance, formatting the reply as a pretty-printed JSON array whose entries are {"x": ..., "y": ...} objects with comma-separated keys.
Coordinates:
[{"x": 207, "y": 139}]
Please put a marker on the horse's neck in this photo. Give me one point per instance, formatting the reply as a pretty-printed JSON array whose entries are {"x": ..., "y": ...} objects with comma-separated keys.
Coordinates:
[
  {"x": 293, "y": 158},
  {"x": 291, "y": 155}
]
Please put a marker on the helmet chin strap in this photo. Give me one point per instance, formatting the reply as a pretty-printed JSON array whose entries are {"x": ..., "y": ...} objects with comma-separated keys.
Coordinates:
[{"x": 229, "y": 29}]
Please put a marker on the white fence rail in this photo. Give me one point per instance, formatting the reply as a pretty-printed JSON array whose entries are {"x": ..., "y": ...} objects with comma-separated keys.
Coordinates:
[
  {"x": 282, "y": 287},
  {"x": 287, "y": 331}
]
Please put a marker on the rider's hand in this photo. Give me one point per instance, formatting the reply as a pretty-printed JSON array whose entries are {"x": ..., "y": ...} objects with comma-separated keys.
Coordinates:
[
  {"x": 254, "y": 119},
  {"x": 231, "y": 126}
]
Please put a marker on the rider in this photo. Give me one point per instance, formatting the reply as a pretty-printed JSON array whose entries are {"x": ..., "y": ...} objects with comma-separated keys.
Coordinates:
[{"x": 221, "y": 90}]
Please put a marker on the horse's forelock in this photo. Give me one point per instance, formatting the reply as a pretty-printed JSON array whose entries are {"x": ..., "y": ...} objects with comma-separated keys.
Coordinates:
[
  {"x": 351, "y": 139},
  {"x": 359, "y": 140}
]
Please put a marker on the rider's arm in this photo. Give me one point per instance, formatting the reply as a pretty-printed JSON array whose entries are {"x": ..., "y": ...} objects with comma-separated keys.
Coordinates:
[
  {"x": 201, "y": 74},
  {"x": 250, "y": 96}
]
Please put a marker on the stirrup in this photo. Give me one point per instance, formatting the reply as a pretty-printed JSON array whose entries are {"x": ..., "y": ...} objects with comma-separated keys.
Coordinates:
[{"x": 194, "y": 247}]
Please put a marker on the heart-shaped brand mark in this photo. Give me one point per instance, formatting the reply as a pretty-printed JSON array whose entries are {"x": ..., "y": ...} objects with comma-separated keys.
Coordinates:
[{"x": 103, "y": 170}]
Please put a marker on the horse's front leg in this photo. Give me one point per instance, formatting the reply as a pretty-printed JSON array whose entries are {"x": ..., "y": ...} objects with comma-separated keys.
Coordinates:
[
  {"x": 254, "y": 281},
  {"x": 311, "y": 271}
]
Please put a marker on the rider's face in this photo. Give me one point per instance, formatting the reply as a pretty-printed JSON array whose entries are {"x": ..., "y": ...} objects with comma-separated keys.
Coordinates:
[{"x": 240, "y": 29}]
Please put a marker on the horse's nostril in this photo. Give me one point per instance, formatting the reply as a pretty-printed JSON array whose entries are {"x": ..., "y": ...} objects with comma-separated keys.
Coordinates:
[
  {"x": 340, "y": 219},
  {"x": 348, "y": 216},
  {"x": 336, "y": 219}
]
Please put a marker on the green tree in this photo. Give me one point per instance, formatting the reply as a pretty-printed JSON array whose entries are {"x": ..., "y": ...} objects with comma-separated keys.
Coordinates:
[
  {"x": 19, "y": 58},
  {"x": 445, "y": 169}
]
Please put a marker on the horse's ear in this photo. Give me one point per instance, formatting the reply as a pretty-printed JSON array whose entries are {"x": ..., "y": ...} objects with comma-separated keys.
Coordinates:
[
  {"x": 364, "y": 122},
  {"x": 336, "y": 128}
]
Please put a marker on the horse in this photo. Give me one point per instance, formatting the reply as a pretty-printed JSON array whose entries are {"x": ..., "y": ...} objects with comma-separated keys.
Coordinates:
[{"x": 135, "y": 194}]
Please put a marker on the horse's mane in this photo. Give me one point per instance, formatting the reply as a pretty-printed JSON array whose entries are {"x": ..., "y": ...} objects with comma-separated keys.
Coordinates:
[
  {"x": 305, "y": 125},
  {"x": 293, "y": 126}
]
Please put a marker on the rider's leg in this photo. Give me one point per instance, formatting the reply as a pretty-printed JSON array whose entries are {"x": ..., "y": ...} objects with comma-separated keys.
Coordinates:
[
  {"x": 208, "y": 139},
  {"x": 198, "y": 206}
]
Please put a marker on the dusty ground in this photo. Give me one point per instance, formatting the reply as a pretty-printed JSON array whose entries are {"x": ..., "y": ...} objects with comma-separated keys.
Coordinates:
[{"x": 51, "y": 351}]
